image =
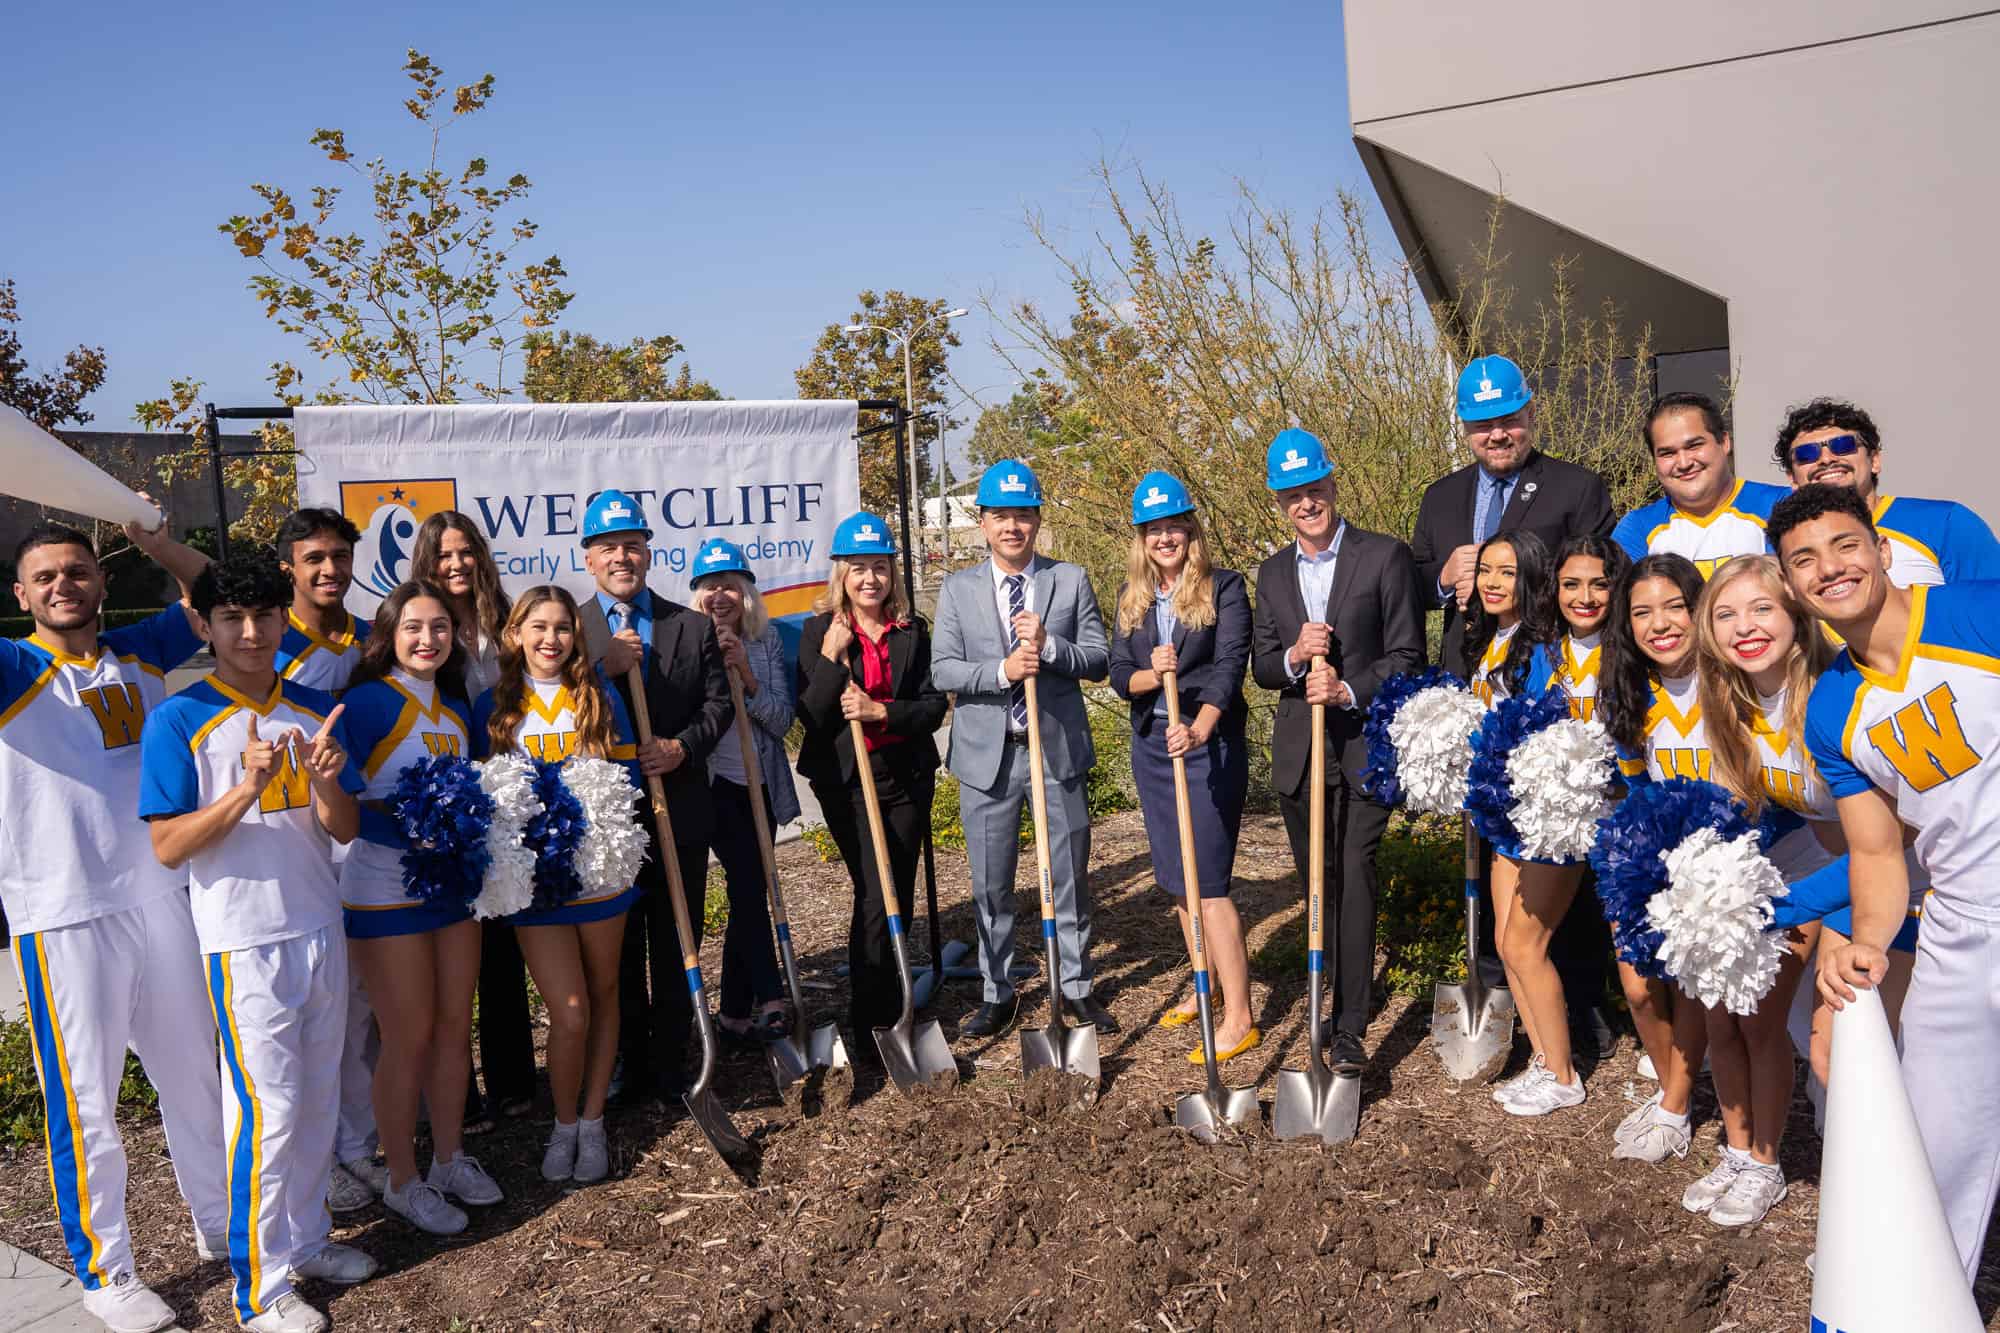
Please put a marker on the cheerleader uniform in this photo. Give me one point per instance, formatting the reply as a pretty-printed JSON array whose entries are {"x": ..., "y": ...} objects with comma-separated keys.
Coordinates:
[
  {"x": 393, "y": 723},
  {"x": 1492, "y": 689},
  {"x": 1577, "y": 661},
  {"x": 547, "y": 732}
]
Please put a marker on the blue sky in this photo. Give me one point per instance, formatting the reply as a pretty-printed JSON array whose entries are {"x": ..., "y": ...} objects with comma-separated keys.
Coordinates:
[{"x": 729, "y": 174}]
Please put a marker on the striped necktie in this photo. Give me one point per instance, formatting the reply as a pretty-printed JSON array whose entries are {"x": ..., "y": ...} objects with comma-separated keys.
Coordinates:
[{"x": 1017, "y": 697}]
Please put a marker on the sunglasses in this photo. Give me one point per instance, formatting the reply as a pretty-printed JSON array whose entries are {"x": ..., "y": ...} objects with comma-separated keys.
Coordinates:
[{"x": 1840, "y": 446}]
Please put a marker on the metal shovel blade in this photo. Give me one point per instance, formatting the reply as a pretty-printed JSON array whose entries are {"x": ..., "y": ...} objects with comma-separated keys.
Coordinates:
[
  {"x": 716, "y": 1127},
  {"x": 915, "y": 1054},
  {"x": 1472, "y": 1029},
  {"x": 1203, "y": 1115},
  {"x": 793, "y": 1057},
  {"x": 1071, "y": 1050},
  {"x": 1314, "y": 1102}
]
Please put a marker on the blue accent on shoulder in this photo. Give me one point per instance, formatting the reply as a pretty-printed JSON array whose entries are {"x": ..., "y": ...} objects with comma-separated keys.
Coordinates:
[
  {"x": 1827, "y": 711},
  {"x": 1633, "y": 529},
  {"x": 1959, "y": 615},
  {"x": 1759, "y": 498}
]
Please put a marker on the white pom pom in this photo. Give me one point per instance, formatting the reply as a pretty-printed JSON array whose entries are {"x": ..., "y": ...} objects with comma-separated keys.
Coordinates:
[
  {"x": 1714, "y": 914},
  {"x": 613, "y": 846},
  {"x": 1432, "y": 733},
  {"x": 1560, "y": 777},
  {"x": 509, "y": 886}
]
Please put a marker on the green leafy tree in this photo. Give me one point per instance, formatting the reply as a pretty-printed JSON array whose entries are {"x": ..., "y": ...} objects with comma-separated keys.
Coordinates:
[
  {"x": 570, "y": 367},
  {"x": 870, "y": 365},
  {"x": 421, "y": 302},
  {"x": 53, "y": 397}
]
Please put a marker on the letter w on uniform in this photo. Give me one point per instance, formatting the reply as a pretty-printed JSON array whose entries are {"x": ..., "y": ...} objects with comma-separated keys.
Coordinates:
[
  {"x": 289, "y": 789},
  {"x": 440, "y": 742},
  {"x": 120, "y": 713},
  {"x": 1924, "y": 740}
]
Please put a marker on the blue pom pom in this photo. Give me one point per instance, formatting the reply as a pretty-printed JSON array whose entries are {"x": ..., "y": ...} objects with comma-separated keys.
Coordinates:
[
  {"x": 1655, "y": 818},
  {"x": 1489, "y": 797},
  {"x": 1379, "y": 780},
  {"x": 443, "y": 816},
  {"x": 553, "y": 836}
]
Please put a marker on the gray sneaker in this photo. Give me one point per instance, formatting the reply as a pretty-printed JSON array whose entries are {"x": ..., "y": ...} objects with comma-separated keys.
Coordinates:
[
  {"x": 1659, "y": 1135},
  {"x": 288, "y": 1314},
  {"x": 593, "y": 1154},
  {"x": 424, "y": 1207},
  {"x": 1702, "y": 1195},
  {"x": 1756, "y": 1191},
  {"x": 465, "y": 1180},
  {"x": 559, "y": 1158},
  {"x": 1635, "y": 1118},
  {"x": 342, "y": 1265},
  {"x": 345, "y": 1194},
  {"x": 1508, "y": 1089}
]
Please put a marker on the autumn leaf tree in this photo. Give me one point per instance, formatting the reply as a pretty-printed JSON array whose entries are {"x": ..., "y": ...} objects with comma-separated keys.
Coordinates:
[
  {"x": 570, "y": 367},
  {"x": 869, "y": 364},
  {"x": 419, "y": 300}
]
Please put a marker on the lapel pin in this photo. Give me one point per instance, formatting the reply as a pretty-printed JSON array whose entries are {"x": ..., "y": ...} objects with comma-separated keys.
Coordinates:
[{"x": 1528, "y": 488}]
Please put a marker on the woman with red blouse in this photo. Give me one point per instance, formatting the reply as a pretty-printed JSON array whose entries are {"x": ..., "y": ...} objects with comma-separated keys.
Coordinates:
[{"x": 866, "y": 656}]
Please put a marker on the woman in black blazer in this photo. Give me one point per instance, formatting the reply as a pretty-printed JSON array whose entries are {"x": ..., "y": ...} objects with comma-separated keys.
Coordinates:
[
  {"x": 1175, "y": 613},
  {"x": 865, "y": 655}
]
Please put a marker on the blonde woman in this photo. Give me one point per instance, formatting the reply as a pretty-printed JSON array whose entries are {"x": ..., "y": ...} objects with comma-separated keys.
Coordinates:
[
  {"x": 1177, "y": 613},
  {"x": 725, "y": 590},
  {"x": 865, "y": 656}
]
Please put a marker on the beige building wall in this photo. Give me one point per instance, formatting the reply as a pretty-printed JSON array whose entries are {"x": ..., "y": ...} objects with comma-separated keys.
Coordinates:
[{"x": 1814, "y": 183}]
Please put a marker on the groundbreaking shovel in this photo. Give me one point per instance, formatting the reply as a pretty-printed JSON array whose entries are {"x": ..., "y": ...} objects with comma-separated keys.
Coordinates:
[
  {"x": 1200, "y": 1112},
  {"x": 1472, "y": 1027},
  {"x": 709, "y": 1117},
  {"x": 794, "y": 1056},
  {"x": 1072, "y": 1050},
  {"x": 1314, "y": 1102},
  {"x": 914, "y": 1053}
]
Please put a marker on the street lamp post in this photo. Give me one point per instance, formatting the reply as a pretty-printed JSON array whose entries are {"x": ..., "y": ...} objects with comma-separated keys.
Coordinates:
[{"x": 907, "y": 336}]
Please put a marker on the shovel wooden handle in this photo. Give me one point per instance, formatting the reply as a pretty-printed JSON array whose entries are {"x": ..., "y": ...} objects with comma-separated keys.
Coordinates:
[
  {"x": 663, "y": 822},
  {"x": 1316, "y": 830},
  {"x": 866, "y": 772},
  {"x": 1190, "y": 871},
  {"x": 753, "y": 772},
  {"x": 1039, "y": 802}
]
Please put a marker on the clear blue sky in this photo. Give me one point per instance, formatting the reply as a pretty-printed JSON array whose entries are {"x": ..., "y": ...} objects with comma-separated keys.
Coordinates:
[{"x": 731, "y": 176}]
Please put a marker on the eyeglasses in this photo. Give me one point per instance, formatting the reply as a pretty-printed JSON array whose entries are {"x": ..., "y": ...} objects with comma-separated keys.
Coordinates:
[{"x": 1840, "y": 446}]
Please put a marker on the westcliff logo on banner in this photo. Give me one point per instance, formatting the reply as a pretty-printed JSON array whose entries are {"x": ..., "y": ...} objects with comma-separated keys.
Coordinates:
[{"x": 773, "y": 478}]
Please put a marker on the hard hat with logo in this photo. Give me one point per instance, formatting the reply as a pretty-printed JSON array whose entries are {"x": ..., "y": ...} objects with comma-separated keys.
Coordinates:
[
  {"x": 1489, "y": 387},
  {"x": 863, "y": 533},
  {"x": 1295, "y": 458},
  {"x": 716, "y": 556},
  {"x": 610, "y": 512},
  {"x": 1159, "y": 495},
  {"x": 1009, "y": 484}
]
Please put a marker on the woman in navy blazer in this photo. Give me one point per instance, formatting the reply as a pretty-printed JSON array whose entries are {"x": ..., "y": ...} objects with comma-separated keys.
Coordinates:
[{"x": 1176, "y": 613}]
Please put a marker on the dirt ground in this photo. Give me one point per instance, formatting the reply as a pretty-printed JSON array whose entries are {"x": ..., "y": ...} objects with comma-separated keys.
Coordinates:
[{"x": 999, "y": 1205}]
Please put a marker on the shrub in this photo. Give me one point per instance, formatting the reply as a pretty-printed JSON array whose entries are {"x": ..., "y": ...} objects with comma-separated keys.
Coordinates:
[{"x": 21, "y": 1089}]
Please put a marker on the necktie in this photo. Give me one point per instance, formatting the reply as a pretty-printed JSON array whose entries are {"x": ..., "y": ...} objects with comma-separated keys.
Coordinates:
[
  {"x": 1017, "y": 697},
  {"x": 621, "y": 615},
  {"x": 1495, "y": 504}
]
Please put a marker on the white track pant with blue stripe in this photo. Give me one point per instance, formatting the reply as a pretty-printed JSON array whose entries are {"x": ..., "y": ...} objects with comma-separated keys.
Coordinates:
[
  {"x": 282, "y": 1012},
  {"x": 132, "y": 978}
]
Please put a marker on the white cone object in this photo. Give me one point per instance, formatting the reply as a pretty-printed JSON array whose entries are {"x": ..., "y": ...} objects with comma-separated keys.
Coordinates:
[
  {"x": 36, "y": 466},
  {"x": 1886, "y": 1259}
]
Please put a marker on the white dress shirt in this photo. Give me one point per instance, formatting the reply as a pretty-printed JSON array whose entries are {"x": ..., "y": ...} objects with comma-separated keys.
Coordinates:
[
  {"x": 1315, "y": 573},
  {"x": 1002, "y": 603}
]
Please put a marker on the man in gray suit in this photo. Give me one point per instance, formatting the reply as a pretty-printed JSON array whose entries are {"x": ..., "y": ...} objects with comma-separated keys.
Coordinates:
[{"x": 1003, "y": 620}]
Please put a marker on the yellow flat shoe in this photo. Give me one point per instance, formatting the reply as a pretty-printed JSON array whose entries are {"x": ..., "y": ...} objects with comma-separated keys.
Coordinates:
[
  {"x": 1174, "y": 1018},
  {"x": 1251, "y": 1040}
]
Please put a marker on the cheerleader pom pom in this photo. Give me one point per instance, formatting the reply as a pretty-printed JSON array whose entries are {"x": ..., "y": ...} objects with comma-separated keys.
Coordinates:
[
  {"x": 1629, "y": 859},
  {"x": 1561, "y": 777},
  {"x": 1489, "y": 792},
  {"x": 1714, "y": 918},
  {"x": 613, "y": 845},
  {"x": 1419, "y": 737},
  {"x": 443, "y": 816},
  {"x": 509, "y": 883},
  {"x": 554, "y": 834}
]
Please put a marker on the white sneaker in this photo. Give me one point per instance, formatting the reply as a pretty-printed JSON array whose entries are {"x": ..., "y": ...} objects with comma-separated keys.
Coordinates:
[
  {"x": 127, "y": 1305},
  {"x": 1755, "y": 1192},
  {"x": 1507, "y": 1089},
  {"x": 1646, "y": 1069},
  {"x": 209, "y": 1248},
  {"x": 424, "y": 1207},
  {"x": 345, "y": 1194},
  {"x": 559, "y": 1158},
  {"x": 342, "y": 1265},
  {"x": 593, "y": 1154},
  {"x": 1701, "y": 1196},
  {"x": 1545, "y": 1095},
  {"x": 288, "y": 1314},
  {"x": 373, "y": 1174},
  {"x": 1634, "y": 1118},
  {"x": 1659, "y": 1135},
  {"x": 465, "y": 1180}
]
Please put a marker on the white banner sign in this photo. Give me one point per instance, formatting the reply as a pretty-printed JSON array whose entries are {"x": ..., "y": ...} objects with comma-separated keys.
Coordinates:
[{"x": 774, "y": 478}]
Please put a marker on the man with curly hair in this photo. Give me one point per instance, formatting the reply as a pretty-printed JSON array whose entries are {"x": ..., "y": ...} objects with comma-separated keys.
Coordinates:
[
  {"x": 246, "y": 779},
  {"x": 1831, "y": 442}
]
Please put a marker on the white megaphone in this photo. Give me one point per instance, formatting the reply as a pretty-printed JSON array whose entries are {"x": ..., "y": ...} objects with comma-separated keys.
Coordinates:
[
  {"x": 1886, "y": 1258},
  {"x": 36, "y": 466}
]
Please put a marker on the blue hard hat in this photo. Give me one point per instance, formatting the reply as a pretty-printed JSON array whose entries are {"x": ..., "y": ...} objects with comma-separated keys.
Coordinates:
[
  {"x": 1489, "y": 387},
  {"x": 863, "y": 533},
  {"x": 1159, "y": 495},
  {"x": 1295, "y": 458},
  {"x": 1009, "y": 484},
  {"x": 716, "y": 556},
  {"x": 613, "y": 511}
]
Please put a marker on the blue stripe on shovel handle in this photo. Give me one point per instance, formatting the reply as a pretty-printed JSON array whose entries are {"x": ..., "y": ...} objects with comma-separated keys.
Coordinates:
[
  {"x": 694, "y": 980},
  {"x": 1048, "y": 927},
  {"x": 895, "y": 923},
  {"x": 785, "y": 931},
  {"x": 1315, "y": 960},
  {"x": 1201, "y": 982}
]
